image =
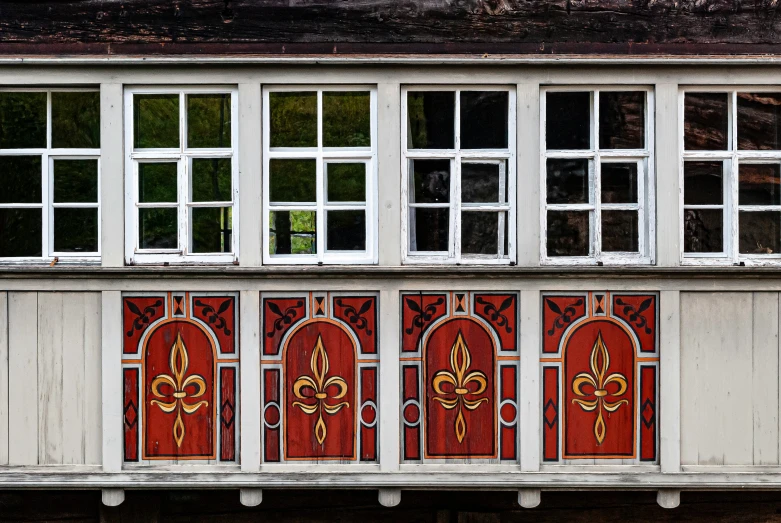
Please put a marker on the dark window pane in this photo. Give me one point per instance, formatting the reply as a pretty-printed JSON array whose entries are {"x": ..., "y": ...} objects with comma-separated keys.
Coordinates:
[
  {"x": 212, "y": 229},
  {"x": 480, "y": 183},
  {"x": 759, "y": 121},
  {"x": 431, "y": 120},
  {"x": 293, "y": 119},
  {"x": 21, "y": 179},
  {"x": 292, "y": 232},
  {"x": 211, "y": 180},
  {"x": 345, "y": 231},
  {"x": 758, "y": 184},
  {"x": 705, "y": 122},
  {"x": 759, "y": 232},
  {"x": 346, "y": 182},
  {"x": 157, "y": 182},
  {"x": 567, "y": 181},
  {"x": 619, "y": 231},
  {"x": 208, "y": 120},
  {"x": 76, "y": 120},
  {"x": 703, "y": 230},
  {"x": 22, "y": 120},
  {"x": 568, "y": 120},
  {"x": 75, "y": 181},
  {"x": 20, "y": 232},
  {"x": 75, "y": 230},
  {"x": 703, "y": 183},
  {"x": 480, "y": 232},
  {"x": 293, "y": 181},
  {"x": 430, "y": 229},
  {"x": 431, "y": 181},
  {"x": 484, "y": 119},
  {"x": 622, "y": 120},
  {"x": 156, "y": 121},
  {"x": 568, "y": 233},
  {"x": 347, "y": 119},
  {"x": 157, "y": 228},
  {"x": 619, "y": 182}
]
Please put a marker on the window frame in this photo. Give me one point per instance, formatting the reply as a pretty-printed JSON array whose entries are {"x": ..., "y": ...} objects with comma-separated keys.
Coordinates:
[
  {"x": 646, "y": 181},
  {"x": 322, "y": 156},
  {"x": 731, "y": 160},
  {"x": 48, "y": 154},
  {"x": 457, "y": 157},
  {"x": 183, "y": 157}
]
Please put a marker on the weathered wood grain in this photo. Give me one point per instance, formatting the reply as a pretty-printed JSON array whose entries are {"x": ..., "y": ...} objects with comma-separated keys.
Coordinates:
[{"x": 389, "y": 26}]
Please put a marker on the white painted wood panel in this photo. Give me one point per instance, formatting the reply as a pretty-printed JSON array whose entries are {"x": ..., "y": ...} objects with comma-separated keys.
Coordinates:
[
  {"x": 670, "y": 381},
  {"x": 51, "y": 428},
  {"x": 764, "y": 383},
  {"x": 3, "y": 378},
  {"x": 93, "y": 419},
  {"x": 23, "y": 378}
]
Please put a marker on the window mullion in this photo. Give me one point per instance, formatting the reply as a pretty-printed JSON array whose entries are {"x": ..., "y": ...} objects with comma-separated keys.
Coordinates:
[
  {"x": 182, "y": 198},
  {"x": 320, "y": 232},
  {"x": 455, "y": 210},
  {"x": 595, "y": 188},
  {"x": 47, "y": 211}
]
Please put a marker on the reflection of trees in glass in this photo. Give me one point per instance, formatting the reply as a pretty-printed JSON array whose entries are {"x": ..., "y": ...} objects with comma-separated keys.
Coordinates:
[
  {"x": 346, "y": 119},
  {"x": 293, "y": 232},
  {"x": 293, "y": 119},
  {"x": 22, "y": 120},
  {"x": 76, "y": 120},
  {"x": 208, "y": 120},
  {"x": 156, "y": 121}
]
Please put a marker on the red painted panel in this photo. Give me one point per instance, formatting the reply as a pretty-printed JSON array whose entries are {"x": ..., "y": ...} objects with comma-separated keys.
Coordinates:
[
  {"x": 271, "y": 416},
  {"x": 558, "y": 313},
  {"x": 137, "y": 314},
  {"x": 368, "y": 414},
  {"x": 411, "y": 413},
  {"x": 509, "y": 382},
  {"x": 509, "y": 444},
  {"x": 418, "y": 312},
  {"x": 320, "y": 395},
  {"x": 130, "y": 418},
  {"x": 639, "y": 311},
  {"x": 501, "y": 312},
  {"x": 550, "y": 414},
  {"x": 360, "y": 313},
  {"x": 279, "y": 315},
  {"x": 219, "y": 312},
  {"x": 460, "y": 403},
  {"x": 648, "y": 417},
  {"x": 227, "y": 414}
]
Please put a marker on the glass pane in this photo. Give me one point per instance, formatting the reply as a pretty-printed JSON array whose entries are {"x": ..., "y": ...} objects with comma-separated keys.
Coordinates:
[
  {"x": 75, "y": 230},
  {"x": 431, "y": 120},
  {"x": 20, "y": 232},
  {"x": 430, "y": 229},
  {"x": 619, "y": 182},
  {"x": 75, "y": 181},
  {"x": 211, "y": 180},
  {"x": 759, "y": 232},
  {"x": 484, "y": 119},
  {"x": 293, "y": 119},
  {"x": 759, "y": 121},
  {"x": 568, "y": 120},
  {"x": 76, "y": 120},
  {"x": 345, "y": 230},
  {"x": 347, "y": 119},
  {"x": 157, "y": 228},
  {"x": 431, "y": 181},
  {"x": 619, "y": 231},
  {"x": 293, "y": 181},
  {"x": 293, "y": 232},
  {"x": 346, "y": 182},
  {"x": 481, "y": 183},
  {"x": 758, "y": 184},
  {"x": 156, "y": 121},
  {"x": 208, "y": 120},
  {"x": 212, "y": 229},
  {"x": 480, "y": 232},
  {"x": 703, "y": 230},
  {"x": 622, "y": 120},
  {"x": 567, "y": 181},
  {"x": 21, "y": 179},
  {"x": 703, "y": 183},
  {"x": 157, "y": 182},
  {"x": 568, "y": 233},
  {"x": 22, "y": 121},
  {"x": 705, "y": 122}
]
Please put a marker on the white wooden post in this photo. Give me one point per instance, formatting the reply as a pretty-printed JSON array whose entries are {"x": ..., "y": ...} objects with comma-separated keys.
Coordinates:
[
  {"x": 250, "y": 176},
  {"x": 389, "y": 164},
  {"x": 668, "y": 190},
  {"x": 529, "y": 497},
  {"x": 389, "y": 380},
  {"x": 251, "y": 497},
  {"x": 389, "y": 497},
  {"x": 670, "y": 391},
  {"x": 528, "y": 167},
  {"x": 530, "y": 381},
  {"x": 249, "y": 303},
  {"x": 112, "y": 194},
  {"x": 111, "y": 379}
]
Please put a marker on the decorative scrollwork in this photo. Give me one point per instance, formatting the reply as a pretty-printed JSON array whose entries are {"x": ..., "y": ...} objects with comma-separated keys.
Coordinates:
[
  {"x": 355, "y": 317},
  {"x": 636, "y": 316},
  {"x": 565, "y": 316},
  {"x": 422, "y": 314},
  {"x": 143, "y": 317},
  {"x": 214, "y": 316},
  {"x": 496, "y": 314},
  {"x": 285, "y": 317}
]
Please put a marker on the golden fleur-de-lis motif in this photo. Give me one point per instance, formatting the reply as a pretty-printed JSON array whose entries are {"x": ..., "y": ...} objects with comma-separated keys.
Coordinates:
[
  {"x": 599, "y": 381},
  {"x": 464, "y": 384},
  {"x": 316, "y": 388},
  {"x": 179, "y": 383}
]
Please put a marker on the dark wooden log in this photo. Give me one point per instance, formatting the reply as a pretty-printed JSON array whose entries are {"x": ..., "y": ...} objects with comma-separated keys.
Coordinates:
[{"x": 389, "y": 26}]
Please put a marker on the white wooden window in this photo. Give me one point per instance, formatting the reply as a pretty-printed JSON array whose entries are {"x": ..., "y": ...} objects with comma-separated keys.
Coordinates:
[
  {"x": 731, "y": 175},
  {"x": 597, "y": 175},
  {"x": 181, "y": 175},
  {"x": 49, "y": 175},
  {"x": 458, "y": 174},
  {"x": 320, "y": 174}
]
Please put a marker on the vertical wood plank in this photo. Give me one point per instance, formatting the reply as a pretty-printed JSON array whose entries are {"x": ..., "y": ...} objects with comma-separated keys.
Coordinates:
[
  {"x": 4, "y": 378},
  {"x": 389, "y": 164},
  {"x": 670, "y": 381},
  {"x": 23, "y": 378},
  {"x": 111, "y": 379},
  {"x": 530, "y": 410},
  {"x": 50, "y": 378},
  {"x": 668, "y": 190},
  {"x": 249, "y": 376},
  {"x": 250, "y": 180},
  {"x": 390, "y": 401},
  {"x": 112, "y": 200},
  {"x": 764, "y": 383},
  {"x": 93, "y": 398},
  {"x": 528, "y": 175},
  {"x": 73, "y": 380}
]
